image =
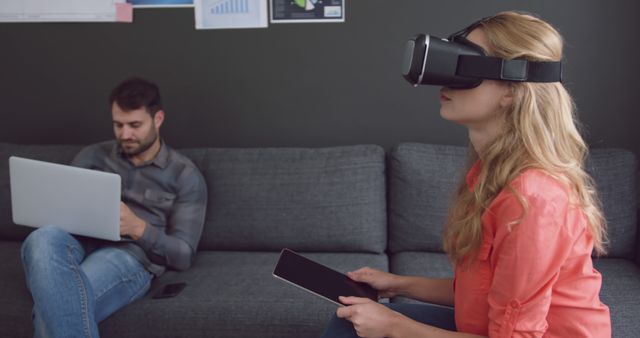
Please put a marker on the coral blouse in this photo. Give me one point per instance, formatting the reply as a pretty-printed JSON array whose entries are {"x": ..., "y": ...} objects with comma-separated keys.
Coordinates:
[{"x": 533, "y": 278}]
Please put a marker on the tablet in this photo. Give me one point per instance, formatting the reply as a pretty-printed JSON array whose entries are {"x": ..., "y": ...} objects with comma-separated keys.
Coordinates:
[{"x": 319, "y": 279}]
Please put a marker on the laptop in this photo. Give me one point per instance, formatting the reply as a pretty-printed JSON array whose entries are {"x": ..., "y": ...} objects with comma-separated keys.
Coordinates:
[
  {"x": 80, "y": 201},
  {"x": 318, "y": 279}
]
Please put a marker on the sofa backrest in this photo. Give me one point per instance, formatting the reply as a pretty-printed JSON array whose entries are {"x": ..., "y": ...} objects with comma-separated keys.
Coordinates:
[
  {"x": 325, "y": 199},
  {"x": 614, "y": 172},
  {"x": 422, "y": 178},
  {"x": 51, "y": 153},
  {"x": 264, "y": 199}
]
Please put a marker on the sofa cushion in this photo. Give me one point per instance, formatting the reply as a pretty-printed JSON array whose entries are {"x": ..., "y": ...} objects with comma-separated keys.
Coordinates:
[
  {"x": 233, "y": 294},
  {"x": 423, "y": 178},
  {"x": 51, "y": 153},
  {"x": 15, "y": 299},
  {"x": 427, "y": 264},
  {"x": 228, "y": 294},
  {"x": 621, "y": 292},
  {"x": 614, "y": 172},
  {"x": 324, "y": 199}
]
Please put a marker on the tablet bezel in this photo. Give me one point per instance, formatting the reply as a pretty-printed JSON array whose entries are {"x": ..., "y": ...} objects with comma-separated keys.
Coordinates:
[{"x": 331, "y": 275}]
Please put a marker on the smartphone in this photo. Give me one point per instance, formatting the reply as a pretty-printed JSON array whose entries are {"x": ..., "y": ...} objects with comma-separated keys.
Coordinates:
[
  {"x": 170, "y": 290},
  {"x": 319, "y": 279}
]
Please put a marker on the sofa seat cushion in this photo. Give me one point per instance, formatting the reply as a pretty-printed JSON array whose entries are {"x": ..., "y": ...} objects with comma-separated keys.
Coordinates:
[
  {"x": 621, "y": 292},
  {"x": 233, "y": 294},
  {"x": 427, "y": 264},
  {"x": 15, "y": 299}
]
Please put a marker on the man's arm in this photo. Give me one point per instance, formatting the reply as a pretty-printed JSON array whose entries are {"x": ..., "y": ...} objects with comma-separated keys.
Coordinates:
[{"x": 176, "y": 246}]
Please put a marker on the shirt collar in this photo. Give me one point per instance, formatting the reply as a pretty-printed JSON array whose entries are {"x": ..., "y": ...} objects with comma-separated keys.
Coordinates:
[{"x": 161, "y": 160}]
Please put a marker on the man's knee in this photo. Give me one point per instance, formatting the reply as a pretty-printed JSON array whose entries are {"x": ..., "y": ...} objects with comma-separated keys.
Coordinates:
[{"x": 40, "y": 242}]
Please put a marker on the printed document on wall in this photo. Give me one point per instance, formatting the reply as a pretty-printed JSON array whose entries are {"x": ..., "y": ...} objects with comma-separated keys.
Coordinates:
[
  {"x": 65, "y": 10},
  {"x": 221, "y": 14},
  {"x": 296, "y": 11}
]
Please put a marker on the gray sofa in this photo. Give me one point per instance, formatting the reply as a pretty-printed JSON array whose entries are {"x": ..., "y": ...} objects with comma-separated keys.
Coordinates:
[{"x": 344, "y": 206}]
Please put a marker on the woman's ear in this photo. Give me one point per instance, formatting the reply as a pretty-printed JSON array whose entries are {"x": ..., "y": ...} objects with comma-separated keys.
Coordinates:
[{"x": 508, "y": 96}]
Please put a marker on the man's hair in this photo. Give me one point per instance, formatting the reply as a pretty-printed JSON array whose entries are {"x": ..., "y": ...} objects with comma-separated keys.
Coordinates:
[{"x": 135, "y": 93}]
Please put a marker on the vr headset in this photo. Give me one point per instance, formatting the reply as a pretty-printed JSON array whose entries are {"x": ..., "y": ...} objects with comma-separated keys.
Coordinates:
[{"x": 459, "y": 63}]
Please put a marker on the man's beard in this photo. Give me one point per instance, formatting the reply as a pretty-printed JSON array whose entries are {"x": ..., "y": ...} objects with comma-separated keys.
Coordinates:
[{"x": 145, "y": 144}]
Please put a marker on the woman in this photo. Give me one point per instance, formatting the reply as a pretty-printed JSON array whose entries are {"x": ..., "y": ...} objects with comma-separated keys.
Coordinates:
[{"x": 522, "y": 225}]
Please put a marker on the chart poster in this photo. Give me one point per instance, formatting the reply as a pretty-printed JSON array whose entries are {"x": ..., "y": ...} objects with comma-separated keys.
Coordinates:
[
  {"x": 226, "y": 14},
  {"x": 160, "y": 3},
  {"x": 291, "y": 11}
]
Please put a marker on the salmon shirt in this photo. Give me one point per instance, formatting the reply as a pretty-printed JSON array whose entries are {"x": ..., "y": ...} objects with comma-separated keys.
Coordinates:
[{"x": 533, "y": 275}]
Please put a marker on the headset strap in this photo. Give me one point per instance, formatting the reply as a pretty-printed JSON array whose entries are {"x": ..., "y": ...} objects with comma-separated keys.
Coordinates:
[{"x": 519, "y": 70}]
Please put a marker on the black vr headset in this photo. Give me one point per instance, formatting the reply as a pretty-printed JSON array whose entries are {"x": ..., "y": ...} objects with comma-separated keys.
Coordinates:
[{"x": 459, "y": 63}]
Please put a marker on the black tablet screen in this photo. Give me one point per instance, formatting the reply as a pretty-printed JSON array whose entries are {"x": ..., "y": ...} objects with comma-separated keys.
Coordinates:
[{"x": 319, "y": 279}]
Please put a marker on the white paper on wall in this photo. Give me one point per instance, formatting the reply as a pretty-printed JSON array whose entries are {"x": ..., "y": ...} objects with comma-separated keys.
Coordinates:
[{"x": 65, "y": 10}]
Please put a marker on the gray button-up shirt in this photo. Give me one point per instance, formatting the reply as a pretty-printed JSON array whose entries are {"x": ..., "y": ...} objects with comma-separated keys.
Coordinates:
[{"x": 168, "y": 192}]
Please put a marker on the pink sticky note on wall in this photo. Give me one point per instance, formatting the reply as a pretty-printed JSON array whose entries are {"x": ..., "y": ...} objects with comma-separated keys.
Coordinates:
[{"x": 124, "y": 12}]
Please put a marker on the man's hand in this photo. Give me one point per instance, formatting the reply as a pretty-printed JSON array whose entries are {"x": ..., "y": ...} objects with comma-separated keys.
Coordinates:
[
  {"x": 130, "y": 224},
  {"x": 370, "y": 319}
]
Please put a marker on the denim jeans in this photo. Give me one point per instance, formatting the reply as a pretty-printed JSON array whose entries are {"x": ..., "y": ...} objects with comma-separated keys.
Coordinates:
[
  {"x": 75, "y": 284},
  {"x": 434, "y": 315}
]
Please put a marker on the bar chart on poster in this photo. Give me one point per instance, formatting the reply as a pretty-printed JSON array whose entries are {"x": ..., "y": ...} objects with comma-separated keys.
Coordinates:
[
  {"x": 63, "y": 10},
  {"x": 230, "y": 6},
  {"x": 219, "y": 14}
]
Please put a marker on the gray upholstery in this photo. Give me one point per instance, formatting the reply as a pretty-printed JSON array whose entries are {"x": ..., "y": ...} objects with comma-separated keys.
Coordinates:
[
  {"x": 232, "y": 294},
  {"x": 420, "y": 263},
  {"x": 336, "y": 205},
  {"x": 422, "y": 179},
  {"x": 614, "y": 172},
  {"x": 15, "y": 299},
  {"x": 621, "y": 292},
  {"x": 330, "y": 199}
]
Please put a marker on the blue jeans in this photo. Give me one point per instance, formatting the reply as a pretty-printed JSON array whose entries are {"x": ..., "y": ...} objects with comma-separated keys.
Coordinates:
[
  {"x": 438, "y": 316},
  {"x": 75, "y": 283}
]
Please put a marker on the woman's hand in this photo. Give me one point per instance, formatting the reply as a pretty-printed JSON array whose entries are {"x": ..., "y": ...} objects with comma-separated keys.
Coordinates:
[
  {"x": 370, "y": 319},
  {"x": 386, "y": 283}
]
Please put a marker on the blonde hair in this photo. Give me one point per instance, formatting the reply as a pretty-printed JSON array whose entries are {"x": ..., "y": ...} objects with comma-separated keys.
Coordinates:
[{"x": 540, "y": 132}]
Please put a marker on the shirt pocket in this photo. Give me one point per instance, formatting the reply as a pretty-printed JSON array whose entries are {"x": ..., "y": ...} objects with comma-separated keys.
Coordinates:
[{"x": 159, "y": 199}]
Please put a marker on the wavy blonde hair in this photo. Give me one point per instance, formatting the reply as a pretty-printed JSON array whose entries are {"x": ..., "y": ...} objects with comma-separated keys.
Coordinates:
[{"x": 540, "y": 132}]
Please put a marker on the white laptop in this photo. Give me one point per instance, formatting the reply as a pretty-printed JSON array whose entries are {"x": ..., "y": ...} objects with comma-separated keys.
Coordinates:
[{"x": 81, "y": 201}]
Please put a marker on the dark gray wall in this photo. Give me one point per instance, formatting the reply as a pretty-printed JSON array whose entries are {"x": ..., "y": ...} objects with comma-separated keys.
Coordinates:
[{"x": 296, "y": 84}]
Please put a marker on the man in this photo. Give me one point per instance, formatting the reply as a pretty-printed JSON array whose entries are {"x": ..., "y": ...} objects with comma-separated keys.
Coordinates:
[{"x": 76, "y": 282}]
